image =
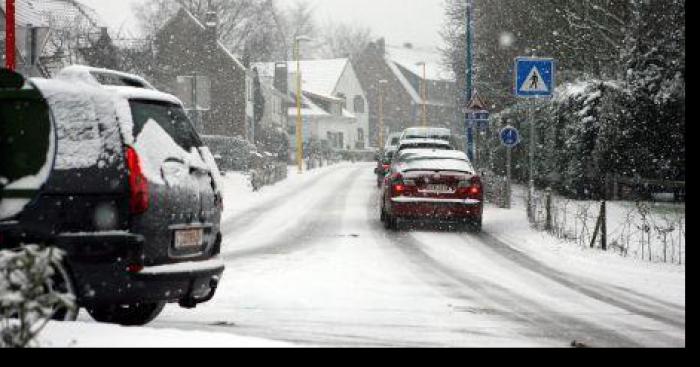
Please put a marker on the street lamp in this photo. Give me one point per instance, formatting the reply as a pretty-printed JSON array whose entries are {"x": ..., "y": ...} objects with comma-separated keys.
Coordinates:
[
  {"x": 424, "y": 89},
  {"x": 382, "y": 84},
  {"x": 300, "y": 125}
]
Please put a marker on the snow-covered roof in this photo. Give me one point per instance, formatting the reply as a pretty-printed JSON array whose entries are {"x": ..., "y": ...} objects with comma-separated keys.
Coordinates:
[
  {"x": 410, "y": 57},
  {"x": 308, "y": 109},
  {"x": 56, "y": 13},
  {"x": 26, "y": 14},
  {"x": 318, "y": 77}
]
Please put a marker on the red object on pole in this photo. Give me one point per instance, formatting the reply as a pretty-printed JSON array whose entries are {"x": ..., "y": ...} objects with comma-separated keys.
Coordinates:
[{"x": 10, "y": 34}]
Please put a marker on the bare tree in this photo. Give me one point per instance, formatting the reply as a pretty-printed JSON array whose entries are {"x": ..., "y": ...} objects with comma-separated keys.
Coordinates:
[{"x": 344, "y": 40}]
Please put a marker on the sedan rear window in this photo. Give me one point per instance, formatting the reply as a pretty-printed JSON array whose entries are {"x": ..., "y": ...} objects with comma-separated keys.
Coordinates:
[
  {"x": 436, "y": 164},
  {"x": 170, "y": 117}
]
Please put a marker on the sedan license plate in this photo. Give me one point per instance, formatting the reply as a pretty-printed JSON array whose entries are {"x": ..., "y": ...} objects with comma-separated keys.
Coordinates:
[
  {"x": 438, "y": 188},
  {"x": 191, "y": 239}
]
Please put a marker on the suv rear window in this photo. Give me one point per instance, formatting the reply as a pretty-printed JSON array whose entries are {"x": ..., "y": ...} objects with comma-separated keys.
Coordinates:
[{"x": 170, "y": 117}]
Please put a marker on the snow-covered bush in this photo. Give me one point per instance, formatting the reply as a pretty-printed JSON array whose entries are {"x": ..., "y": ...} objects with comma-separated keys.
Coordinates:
[{"x": 30, "y": 293}]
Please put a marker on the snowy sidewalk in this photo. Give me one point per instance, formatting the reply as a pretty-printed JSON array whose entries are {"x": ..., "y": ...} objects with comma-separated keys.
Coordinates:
[{"x": 93, "y": 335}]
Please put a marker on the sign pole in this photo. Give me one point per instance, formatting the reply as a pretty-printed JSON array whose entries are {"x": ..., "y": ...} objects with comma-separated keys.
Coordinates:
[
  {"x": 10, "y": 38},
  {"x": 533, "y": 146},
  {"x": 509, "y": 175},
  {"x": 510, "y": 138}
]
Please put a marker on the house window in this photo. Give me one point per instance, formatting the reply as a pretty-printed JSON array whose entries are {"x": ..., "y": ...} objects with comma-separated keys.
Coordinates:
[
  {"x": 194, "y": 92},
  {"x": 360, "y": 139},
  {"x": 359, "y": 104}
]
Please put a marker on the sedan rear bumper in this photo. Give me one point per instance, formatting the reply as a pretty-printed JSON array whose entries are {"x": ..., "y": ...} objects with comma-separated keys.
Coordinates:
[{"x": 433, "y": 208}]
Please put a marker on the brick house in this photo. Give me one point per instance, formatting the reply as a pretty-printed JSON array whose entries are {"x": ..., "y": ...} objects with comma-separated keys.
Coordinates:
[
  {"x": 215, "y": 86},
  {"x": 403, "y": 98}
]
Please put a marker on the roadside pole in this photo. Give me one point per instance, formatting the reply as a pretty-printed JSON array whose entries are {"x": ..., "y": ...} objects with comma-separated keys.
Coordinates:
[
  {"x": 533, "y": 147},
  {"x": 509, "y": 175},
  {"x": 535, "y": 78},
  {"x": 510, "y": 138},
  {"x": 10, "y": 39},
  {"x": 471, "y": 148}
]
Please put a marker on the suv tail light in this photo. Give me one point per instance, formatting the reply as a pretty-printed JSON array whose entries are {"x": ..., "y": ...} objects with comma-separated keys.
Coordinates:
[{"x": 138, "y": 185}]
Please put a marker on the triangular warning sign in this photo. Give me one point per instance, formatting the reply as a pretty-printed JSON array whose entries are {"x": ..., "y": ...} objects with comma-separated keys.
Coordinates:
[{"x": 534, "y": 82}]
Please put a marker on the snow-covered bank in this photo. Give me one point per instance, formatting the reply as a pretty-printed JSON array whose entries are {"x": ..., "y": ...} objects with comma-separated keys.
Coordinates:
[
  {"x": 661, "y": 281},
  {"x": 92, "y": 335}
]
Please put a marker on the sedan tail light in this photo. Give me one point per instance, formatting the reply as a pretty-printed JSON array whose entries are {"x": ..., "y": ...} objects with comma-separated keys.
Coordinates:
[
  {"x": 472, "y": 189},
  {"x": 401, "y": 186}
]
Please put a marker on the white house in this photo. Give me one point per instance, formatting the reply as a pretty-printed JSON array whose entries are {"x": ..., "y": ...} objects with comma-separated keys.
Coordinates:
[{"x": 334, "y": 106}]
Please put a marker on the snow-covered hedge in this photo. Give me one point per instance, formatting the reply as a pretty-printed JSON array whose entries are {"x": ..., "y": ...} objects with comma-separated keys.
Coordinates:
[
  {"x": 593, "y": 129},
  {"x": 232, "y": 153},
  {"x": 28, "y": 298}
]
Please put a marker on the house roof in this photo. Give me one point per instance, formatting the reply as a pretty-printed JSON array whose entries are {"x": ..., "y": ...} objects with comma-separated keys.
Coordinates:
[
  {"x": 409, "y": 57},
  {"x": 221, "y": 45},
  {"x": 319, "y": 77},
  {"x": 58, "y": 13}
]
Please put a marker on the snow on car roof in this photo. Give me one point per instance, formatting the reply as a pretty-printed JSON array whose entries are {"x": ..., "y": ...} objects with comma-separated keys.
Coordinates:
[
  {"x": 433, "y": 154},
  {"x": 90, "y": 75},
  {"x": 427, "y": 131},
  {"x": 406, "y": 142},
  {"x": 432, "y": 160}
]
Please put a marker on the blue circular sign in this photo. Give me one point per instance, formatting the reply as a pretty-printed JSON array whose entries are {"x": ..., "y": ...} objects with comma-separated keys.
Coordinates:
[{"x": 510, "y": 137}]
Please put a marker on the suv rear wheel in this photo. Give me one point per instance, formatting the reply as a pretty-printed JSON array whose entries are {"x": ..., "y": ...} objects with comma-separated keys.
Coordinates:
[
  {"x": 62, "y": 283},
  {"x": 127, "y": 315}
]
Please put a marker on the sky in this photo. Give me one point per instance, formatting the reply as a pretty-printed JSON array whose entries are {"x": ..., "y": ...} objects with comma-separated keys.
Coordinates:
[{"x": 400, "y": 21}]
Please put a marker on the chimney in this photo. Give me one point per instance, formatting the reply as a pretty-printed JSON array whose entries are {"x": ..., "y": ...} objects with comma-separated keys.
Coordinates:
[
  {"x": 212, "y": 24},
  {"x": 281, "y": 81}
]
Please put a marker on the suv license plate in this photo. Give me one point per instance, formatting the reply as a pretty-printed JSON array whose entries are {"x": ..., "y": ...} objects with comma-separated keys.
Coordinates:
[{"x": 191, "y": 239}]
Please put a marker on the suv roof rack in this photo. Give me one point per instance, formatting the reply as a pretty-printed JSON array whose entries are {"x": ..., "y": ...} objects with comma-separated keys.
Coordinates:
[{"x": 104, "y": 77}]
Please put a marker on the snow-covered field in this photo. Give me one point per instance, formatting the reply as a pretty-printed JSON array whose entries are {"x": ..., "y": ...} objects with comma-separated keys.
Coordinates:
[{"x": 309, "y": 264}]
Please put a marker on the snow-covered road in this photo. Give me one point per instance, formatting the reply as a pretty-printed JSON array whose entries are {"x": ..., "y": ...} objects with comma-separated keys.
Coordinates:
[{"x": 308, "y": 262}]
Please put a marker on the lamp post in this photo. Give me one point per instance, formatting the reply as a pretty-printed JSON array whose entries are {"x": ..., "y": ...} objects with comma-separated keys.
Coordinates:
[
  {"x": 382, "y": 84},
  {"x": 471, "y": 148},
  {"x": 424, "y": 90},
  {"x": 300, "y": 124}
]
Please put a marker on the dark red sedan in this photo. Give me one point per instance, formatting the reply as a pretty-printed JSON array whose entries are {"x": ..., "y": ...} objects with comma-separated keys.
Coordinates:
[{"x": 432, "y": 186}]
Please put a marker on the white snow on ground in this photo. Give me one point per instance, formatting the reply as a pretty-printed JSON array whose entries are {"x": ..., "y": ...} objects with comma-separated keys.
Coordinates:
[
  {"x": 309, "y": 263},
  {"x": 663, "y": 281},
  {"x": 93, "y": 335}
]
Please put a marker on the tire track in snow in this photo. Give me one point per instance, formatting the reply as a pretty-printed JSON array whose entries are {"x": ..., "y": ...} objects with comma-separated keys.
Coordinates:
[
  {"x": 325, "y": 211},
  {"x": 661, "y": 312},
  {"x": 250, "y": 216},
  {"x": 545, "y": 322}
]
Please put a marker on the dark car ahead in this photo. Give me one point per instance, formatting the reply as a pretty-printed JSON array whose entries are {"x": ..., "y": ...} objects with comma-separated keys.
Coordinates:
[
  {"x": 432, "y": 186},
  {"x": 108, "y": 169},
  {"x": 383, "y": 165}
]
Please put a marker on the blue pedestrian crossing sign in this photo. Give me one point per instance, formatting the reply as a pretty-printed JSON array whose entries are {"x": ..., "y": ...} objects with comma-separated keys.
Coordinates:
[
  {"x": 510, "y": 137},
  {"x": 534, "y": 77}
]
